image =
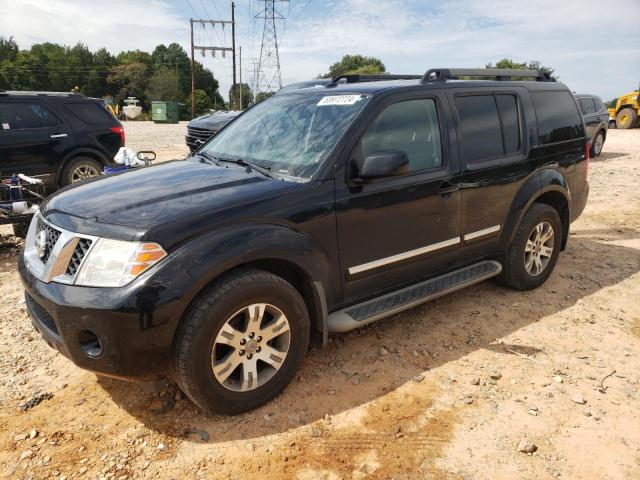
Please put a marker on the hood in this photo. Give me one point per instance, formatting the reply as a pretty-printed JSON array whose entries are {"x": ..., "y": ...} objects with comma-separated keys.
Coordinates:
[
  {"x": 213, "y": 120},
  {"x": 180, "y": 196}
]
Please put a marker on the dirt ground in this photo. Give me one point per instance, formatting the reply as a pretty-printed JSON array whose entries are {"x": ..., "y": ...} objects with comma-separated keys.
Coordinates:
[
  {"x": 166, "y": 140},
  {"x": 453, "y": 389}
]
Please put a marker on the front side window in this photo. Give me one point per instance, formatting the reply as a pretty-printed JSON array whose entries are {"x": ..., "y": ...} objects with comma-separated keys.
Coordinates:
[
  {"x": 410, "y": 126},
  {"x": 20, "y": 116},
  {"x": 558, "y": 117},
  {"x": 289, "y": 133}
]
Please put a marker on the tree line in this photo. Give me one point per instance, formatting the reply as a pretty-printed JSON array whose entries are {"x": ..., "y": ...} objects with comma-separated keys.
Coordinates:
[{"x": 164, "y": 74}]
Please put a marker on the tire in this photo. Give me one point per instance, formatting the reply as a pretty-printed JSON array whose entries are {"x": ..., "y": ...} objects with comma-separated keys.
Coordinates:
[
  {"x": 20, "y": 229},
  {"x": 78, "y": 169},
  {"x": 197, "y": 346},
  {"x": 626, "y": 118},
  {"x": 598, "y": 143},
  {"x": 612, "y": 124},
  {"x": 515, "y": 273}
]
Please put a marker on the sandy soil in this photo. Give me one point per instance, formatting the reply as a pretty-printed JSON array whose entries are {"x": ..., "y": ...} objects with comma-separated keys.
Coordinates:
[
  {"x": 166, "y": 140},
  {"x": 453, "y": 389}
]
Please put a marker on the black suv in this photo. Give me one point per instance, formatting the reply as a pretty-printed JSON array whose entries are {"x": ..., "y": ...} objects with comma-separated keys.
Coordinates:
[
  {"x": 202, "y": 128},
  {"x": 596, "y": 121},
  {"x": 59, "y": 137},
  {"x": 317, "y": 210}
]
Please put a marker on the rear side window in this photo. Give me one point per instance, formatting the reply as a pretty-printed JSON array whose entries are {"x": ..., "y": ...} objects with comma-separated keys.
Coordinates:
[
  {"x": 599, "y": 105},
  {"x": 558, "y": 117},
  {"x": 91, "y": 113},
  {"x": 26, "y": 115},
  {"x": 587, "y": 106},
  {"x": 411, "y": 127},
  {"x": 508, "y": 109},
  {"x": 489, "y": 125}
]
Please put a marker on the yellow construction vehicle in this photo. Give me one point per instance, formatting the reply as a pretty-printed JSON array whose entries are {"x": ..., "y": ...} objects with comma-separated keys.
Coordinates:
[{"x": 626, "y": 112}]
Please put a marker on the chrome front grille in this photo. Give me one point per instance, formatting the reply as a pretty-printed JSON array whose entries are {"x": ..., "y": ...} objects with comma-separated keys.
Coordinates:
[
  {"x": 200, "y": 133},
  {"x": 54, "y": 254},
  {"x": 83, "y": 246},
  {"x": 49, "y": 238}
]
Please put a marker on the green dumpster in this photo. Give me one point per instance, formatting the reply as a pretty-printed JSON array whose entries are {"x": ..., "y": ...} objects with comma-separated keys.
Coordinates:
[{"x": 165, "y": 112}]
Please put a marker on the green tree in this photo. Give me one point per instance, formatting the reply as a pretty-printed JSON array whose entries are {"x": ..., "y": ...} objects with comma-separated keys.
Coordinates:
[
  {"x": 97, "y": 85},
  {"x": 245, "y": 91},
  {"x": 165, "y": 85},
  {"x": 355, "y": 64},
  {"x": 262, "y": 95},
  {"x": 129, "y": 78},
  {"x": 8, "y": 49},
  {"x": 531, "y": 65},
  {"x": 203, "y": 102}
]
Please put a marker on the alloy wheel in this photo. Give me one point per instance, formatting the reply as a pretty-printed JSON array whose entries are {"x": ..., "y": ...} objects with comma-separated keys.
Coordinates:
[
  {"x": 597, "y": 144},
  {"x": 538, "y": 249},
  {"x": 251, "y": 347},
  {"x": 82, "y": 172}
]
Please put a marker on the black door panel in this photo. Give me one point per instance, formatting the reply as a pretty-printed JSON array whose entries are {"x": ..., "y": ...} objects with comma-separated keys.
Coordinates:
[{"x": 396, "y": 230}]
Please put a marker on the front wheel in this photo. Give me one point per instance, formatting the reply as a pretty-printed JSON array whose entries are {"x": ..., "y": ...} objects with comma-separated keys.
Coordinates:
[
  {"x": 534, "y": 250},
  {"x": 242, "y": 343}
]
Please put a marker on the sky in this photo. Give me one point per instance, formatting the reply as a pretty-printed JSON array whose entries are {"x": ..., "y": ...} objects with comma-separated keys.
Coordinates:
[{"x": 593, "y": 45}]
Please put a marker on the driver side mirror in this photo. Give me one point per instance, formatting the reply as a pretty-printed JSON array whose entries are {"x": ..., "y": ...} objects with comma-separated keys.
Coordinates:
[{"x": 384, "y": 163}]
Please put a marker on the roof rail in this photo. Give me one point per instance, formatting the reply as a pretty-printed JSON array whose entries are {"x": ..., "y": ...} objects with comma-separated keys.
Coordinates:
[
  {"x": 357, "y": 78},
  {"x": 444, "y": 74}
]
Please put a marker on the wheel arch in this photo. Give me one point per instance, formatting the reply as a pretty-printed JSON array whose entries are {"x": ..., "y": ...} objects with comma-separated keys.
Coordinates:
[
  {"x": 79, "y": 152},
  {"x": 549, "y": 187},
  {"x": 282, "y": 251}
]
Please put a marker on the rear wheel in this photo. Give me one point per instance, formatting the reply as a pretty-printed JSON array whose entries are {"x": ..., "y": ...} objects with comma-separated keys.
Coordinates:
[
  {"x": 80, "y": 168},
  {"x": 242, "y": 343},
  {"x": 626, "y": 118},
  {"x": 612, "y": 124},
  {"x": 598, "y": 143},
  {"x": 533, "y": 253}
]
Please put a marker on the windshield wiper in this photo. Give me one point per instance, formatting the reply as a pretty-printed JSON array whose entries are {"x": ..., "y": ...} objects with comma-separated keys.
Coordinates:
[
  {"x": 208, "y": 157},
  {"x": 250, "y": 165}
]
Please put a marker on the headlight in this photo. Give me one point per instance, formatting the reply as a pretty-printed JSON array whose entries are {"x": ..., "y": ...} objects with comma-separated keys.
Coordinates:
[{"x": 114, "y": 263}]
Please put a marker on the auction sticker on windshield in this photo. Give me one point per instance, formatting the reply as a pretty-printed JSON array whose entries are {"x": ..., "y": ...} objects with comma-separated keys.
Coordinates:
[{"x": 339, "y": 100}]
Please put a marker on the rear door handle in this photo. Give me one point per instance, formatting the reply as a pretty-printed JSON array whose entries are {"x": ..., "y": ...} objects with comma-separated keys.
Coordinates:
[
  {"x": 446, "y": 189},
  {"x": 59, "y": 135}
]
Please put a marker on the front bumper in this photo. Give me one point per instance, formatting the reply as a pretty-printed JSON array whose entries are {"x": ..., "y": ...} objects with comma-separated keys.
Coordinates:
[{"x": 134, "y": 325}]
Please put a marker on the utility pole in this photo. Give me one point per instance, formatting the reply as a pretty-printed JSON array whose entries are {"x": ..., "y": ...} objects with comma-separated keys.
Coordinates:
[
  {"x": 207, "y": 48},
  {"x": 240, "y": 62},
  {"x": 193, "y": 75},
  {"x": 234, "y": 100},
  {"x": 268, "y": 75}
]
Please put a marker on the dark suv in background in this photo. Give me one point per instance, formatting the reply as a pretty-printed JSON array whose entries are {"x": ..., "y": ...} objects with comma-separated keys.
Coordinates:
[
  {"x": 596, "y": 120},
  {"x": 317, "y": 210},
  {"x": 59, "y": 137}
]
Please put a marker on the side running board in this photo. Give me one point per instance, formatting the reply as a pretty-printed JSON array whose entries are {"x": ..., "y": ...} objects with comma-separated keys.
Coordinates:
[{"x": 363, "y": 313}]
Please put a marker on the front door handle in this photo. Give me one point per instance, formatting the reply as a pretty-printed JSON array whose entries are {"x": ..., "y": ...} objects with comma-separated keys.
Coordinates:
[
  {"x": 446, "y": 189},
  {"x": 59, "y": 135}
]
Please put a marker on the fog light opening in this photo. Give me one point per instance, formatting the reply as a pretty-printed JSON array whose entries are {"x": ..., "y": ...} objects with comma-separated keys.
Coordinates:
[{"x": 89, "y": 343}]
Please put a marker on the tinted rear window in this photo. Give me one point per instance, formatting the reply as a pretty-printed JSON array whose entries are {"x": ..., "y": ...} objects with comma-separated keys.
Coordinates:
[
  {"x": 25, "y": 115},
  {"x": 558, "y": 117},
  {"x": 480, "y": 126},
  {"x": 508, "y": 108},
  {"x": 91, "y": 113}
]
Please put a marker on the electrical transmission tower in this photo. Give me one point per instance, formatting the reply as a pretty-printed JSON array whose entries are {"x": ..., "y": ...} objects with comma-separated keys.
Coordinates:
[{"x": 268, "y": 77}]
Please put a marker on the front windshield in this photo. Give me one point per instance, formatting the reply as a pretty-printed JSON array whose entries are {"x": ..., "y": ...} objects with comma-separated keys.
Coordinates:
[{"x": 289, "y": 134}]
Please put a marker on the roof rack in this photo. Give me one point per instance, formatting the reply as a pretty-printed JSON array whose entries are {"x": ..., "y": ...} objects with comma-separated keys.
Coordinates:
[
  {"x": 444, "y": 74},
  {"x": 342, "y": 79}
]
